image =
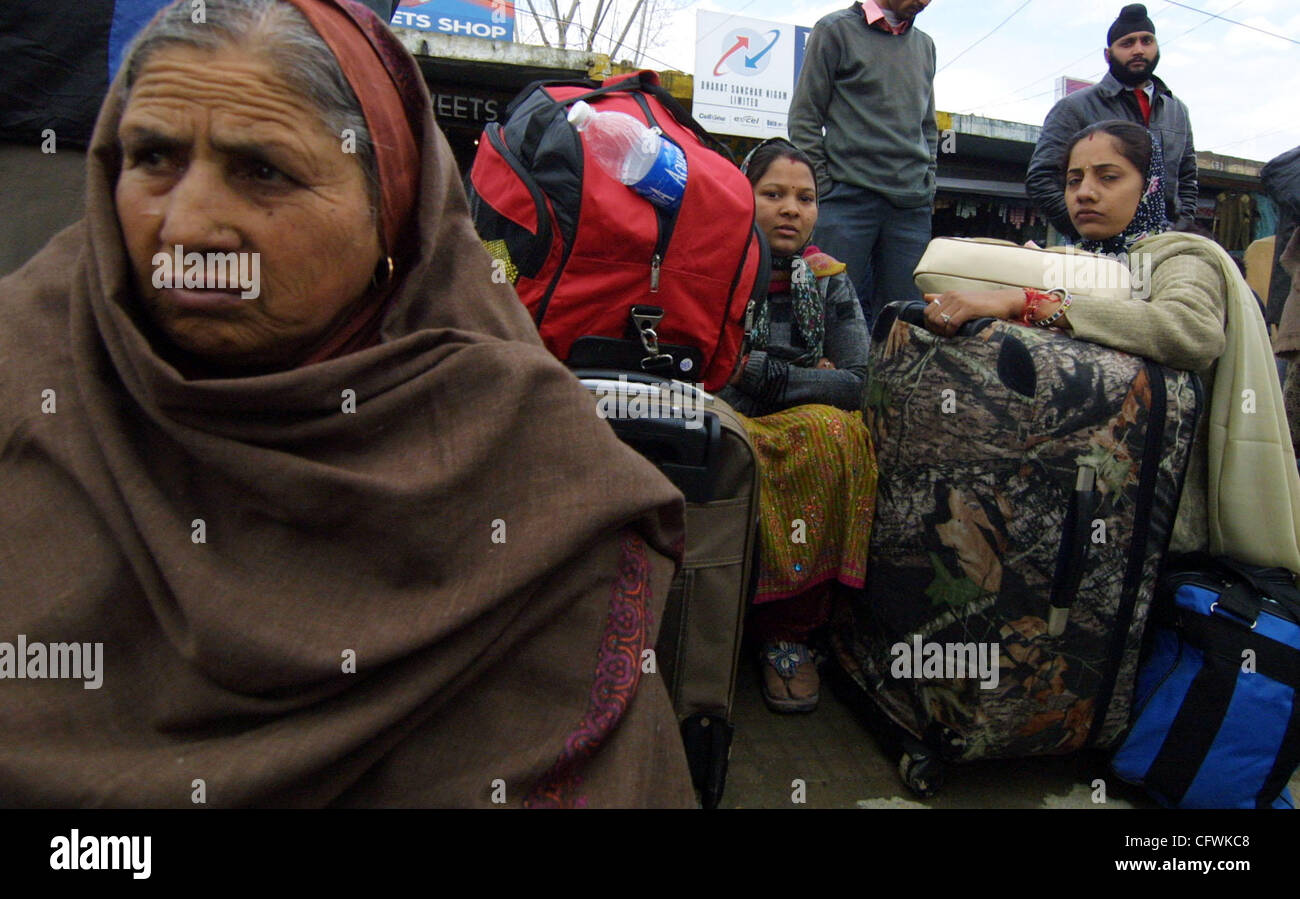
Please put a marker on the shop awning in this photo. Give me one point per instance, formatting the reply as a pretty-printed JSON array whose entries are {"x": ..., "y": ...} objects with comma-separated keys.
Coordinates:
[{"x": 1011, "y": 189}]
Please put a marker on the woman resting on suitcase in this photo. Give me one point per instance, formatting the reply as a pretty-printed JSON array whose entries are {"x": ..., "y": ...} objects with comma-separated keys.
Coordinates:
[
  {"x": 803, "y": 383},
  {"x": 1194, "y": 312}
]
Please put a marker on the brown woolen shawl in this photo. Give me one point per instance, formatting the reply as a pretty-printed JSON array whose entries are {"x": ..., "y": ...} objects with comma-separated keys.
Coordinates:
[{"x": 325, "y": 531}]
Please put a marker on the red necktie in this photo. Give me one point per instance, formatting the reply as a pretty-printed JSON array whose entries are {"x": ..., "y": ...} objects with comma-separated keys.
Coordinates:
[{"x": 1145, "y": 102}]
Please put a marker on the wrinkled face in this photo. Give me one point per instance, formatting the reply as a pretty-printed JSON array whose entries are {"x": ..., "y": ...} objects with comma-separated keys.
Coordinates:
[
  {"x": 785, "y": 206},
  {"x": 221, "y": 157},
  {"x": 1102, "y": 188},
  {"x": 1136, "y": 53}
]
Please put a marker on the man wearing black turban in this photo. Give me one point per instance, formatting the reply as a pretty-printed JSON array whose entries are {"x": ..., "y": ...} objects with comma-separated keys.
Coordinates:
[{"x": 1131, "y": 92}]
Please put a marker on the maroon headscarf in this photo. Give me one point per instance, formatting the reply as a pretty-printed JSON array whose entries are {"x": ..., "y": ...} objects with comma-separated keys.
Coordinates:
[
  {"x": 387, "y": 84},
  {"x": 385, "y": 80}
]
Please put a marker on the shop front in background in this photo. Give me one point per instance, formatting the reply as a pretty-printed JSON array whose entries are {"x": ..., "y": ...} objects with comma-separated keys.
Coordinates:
[{"x": 975, "y": 215}]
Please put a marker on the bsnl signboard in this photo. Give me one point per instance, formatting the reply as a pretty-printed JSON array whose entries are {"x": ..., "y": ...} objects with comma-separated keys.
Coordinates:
[
  {"x": 745, "y": 71},
  {"x": 490, "y": 19}
]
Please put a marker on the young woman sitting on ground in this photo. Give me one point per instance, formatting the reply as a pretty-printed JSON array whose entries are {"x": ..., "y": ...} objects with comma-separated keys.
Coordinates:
[{"x": 801, "y": 386}]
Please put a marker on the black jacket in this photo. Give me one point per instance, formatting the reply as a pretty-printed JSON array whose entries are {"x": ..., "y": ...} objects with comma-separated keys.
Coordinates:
[
  {"x": 1281, "y": 177},
  {"x": 1108, "y": 99}
]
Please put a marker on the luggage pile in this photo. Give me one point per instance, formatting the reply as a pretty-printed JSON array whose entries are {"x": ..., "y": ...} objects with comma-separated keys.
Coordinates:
[
  {"x": 1032, "y": 485},
  {"x": 697, "y": 441},
  {"x": 644, "y": 301}
]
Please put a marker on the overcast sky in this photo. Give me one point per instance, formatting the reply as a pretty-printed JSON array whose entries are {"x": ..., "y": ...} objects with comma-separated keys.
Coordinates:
[{"x": 1241, "y": 87}]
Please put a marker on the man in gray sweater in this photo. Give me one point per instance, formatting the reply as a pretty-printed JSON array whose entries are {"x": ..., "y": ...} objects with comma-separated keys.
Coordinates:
[
  {"x": 1131, "y": 92},
  {"x": 863, "y": 109}
]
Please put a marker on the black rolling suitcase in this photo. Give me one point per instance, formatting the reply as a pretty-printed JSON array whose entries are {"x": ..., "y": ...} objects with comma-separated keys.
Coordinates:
[
  {"x": 697, "y": 441},
  {"x": 1028, "y": 487}
]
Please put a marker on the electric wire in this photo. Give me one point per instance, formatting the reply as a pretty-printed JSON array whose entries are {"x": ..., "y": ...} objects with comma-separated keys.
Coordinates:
[
  {"x": 1010, "y": 98},
  {"x": 986, "y": 37},
  {"x": 729, "y": 17},
  {"x": 1218, "y": 147},
  {"x": 1215, "y": 15}
]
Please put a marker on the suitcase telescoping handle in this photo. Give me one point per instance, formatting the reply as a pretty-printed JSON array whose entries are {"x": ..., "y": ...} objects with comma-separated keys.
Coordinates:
[
  {"x": 913, "y": 312},
  {"x": 687, "y": 449},
  {"x": 635, "y": 377},
  {"x": 1074, "y": 549}
]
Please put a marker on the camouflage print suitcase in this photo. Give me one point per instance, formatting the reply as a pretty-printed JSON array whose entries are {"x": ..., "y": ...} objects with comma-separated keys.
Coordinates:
[
  {"x": 700, "y": 444},
  {"x": 1028, "y": 487}
]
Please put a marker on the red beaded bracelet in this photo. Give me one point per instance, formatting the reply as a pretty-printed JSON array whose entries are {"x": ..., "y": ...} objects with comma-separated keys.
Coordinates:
[
  {"x": 1064, "y": 297},
  {"x": 1032, "y": 300}
]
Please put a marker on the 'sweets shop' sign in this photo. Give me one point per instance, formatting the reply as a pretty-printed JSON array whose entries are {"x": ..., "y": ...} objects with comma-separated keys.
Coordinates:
[{"x": 490, "y": 19}]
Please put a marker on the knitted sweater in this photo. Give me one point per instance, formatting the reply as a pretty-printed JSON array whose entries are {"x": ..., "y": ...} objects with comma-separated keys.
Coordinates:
[
  {"x": 1242, "y": 493},
  {"x": 873, "y": 92},
  {"x": 770, "y": 383},
  {"x": 1180, "y": 325}
]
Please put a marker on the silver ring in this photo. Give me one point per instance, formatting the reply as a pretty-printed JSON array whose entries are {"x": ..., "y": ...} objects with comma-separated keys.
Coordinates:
[{"x": 946, "y": 317}]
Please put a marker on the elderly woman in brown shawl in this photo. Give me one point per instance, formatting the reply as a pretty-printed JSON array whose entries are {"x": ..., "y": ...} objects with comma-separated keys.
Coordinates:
[{"x": 341, "y": 533}]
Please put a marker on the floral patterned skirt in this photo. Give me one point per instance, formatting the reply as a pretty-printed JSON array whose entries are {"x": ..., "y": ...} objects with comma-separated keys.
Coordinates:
[{"x": 817, "y": 470}]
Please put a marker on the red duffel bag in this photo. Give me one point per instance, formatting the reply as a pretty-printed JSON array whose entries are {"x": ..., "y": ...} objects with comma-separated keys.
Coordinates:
[{"x": 613, "y": 281}]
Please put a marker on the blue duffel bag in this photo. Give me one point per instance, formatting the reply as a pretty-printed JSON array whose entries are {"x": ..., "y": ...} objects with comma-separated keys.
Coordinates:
[{"x": 1217, "y": 722}]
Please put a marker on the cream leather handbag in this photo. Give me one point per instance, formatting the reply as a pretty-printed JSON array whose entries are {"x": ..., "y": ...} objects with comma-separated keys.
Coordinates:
[{"x": 964, "y": 263}]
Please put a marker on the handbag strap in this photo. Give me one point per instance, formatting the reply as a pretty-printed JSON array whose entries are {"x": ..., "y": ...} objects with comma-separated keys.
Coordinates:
[{"x": 1275, "y": 583}]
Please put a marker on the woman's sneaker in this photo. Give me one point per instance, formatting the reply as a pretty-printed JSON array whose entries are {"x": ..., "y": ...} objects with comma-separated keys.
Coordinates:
[{"x": 790, "y": 680}]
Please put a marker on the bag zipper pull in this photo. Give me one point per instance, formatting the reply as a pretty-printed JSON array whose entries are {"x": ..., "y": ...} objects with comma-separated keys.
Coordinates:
[{"x": 654, "y": 272}]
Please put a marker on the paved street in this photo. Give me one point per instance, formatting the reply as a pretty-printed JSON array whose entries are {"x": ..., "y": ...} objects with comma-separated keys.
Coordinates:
[{"x": 843, "y": 767}]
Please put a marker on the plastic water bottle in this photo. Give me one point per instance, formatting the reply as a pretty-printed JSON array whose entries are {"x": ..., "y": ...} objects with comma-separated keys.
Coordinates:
[{"x": 633, "y": 154}]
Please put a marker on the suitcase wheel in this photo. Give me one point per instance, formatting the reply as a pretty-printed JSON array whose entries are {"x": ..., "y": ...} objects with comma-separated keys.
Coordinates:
[{"x": 922, "y": 771}]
